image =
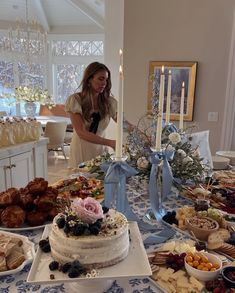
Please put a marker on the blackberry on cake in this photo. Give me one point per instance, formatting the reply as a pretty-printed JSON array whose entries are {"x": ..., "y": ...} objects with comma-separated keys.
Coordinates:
[
  {"x": 54, "y": 265},
  {"x": 65, "y": 268},
  {"x": 45, "y": 245}
]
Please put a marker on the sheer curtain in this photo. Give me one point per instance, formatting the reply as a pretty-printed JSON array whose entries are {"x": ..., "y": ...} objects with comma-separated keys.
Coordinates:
[{"x": 228, "y": 127}]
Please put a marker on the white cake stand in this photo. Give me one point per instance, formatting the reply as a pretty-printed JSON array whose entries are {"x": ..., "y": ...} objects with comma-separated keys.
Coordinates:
[{"x": 135, "y": 264}]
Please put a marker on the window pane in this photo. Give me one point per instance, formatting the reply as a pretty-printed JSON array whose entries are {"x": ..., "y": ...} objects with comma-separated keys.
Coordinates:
[
  {"x": 31, "y": 75},
  {"x": 78, "y": 48},
  {"x": 68, "y": 80},
  {"x": 7, "y": 102}
]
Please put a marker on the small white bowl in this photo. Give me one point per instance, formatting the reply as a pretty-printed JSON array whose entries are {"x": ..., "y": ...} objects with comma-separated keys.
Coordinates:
[
  {"x": 220, "y": 163},
  {"x": 227, "y": 154},
  {"x": 204, "y": 275}
]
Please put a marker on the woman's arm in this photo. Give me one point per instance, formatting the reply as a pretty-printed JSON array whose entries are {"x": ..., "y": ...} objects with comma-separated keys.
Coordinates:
[{"x": 79, "y": 126}]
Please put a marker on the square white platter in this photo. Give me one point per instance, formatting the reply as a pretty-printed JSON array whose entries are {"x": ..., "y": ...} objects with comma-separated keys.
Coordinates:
[{"x": 135, "y": 264}]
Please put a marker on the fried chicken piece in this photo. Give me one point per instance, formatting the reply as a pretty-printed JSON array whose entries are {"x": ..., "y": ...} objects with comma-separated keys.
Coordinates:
[
  {"x": 46, "y": 201},
  {"x": 27, "y": 201},
  {"x": 13, "y": 217},
  {"x": 9, "y": 197},
  {"x": 37, "y": 186},
  {"x": 1, "y": 210},
  {"x": 36, "y": 218},
  {"x": 52, "y": 213}
]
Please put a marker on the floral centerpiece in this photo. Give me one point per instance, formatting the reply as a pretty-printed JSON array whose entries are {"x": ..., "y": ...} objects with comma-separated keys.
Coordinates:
[
  {"x": 186, "y": 164},
  {"x": 28, "y": 94}
]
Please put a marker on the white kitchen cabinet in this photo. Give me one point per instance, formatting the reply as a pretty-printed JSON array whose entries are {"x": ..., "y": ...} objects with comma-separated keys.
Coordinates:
[
  {"x": 5, "y": 177},
  {"x": 40, "y": 161},
  {"x": 21, "y": 163},
  {"x": 22, "y": 169}
]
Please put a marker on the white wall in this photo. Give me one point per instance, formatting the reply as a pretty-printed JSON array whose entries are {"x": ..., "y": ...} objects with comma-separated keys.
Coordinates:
[{"x": 182, "y": 30}]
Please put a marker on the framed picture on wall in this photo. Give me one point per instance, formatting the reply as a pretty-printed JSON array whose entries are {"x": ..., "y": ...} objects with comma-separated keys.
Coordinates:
[{"x": 184, "y": 71}]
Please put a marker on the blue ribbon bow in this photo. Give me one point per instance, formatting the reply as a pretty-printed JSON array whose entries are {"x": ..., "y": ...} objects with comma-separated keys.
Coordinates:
[
  {"x": 115, "y": 186},
  {"x": 167, "y": 176},
  {"x": 155, "y": 159},
  {"x": 115, "y": 190}
]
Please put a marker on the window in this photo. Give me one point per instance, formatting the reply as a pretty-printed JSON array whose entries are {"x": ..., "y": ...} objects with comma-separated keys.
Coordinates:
[
  {"x": 62, "y": 75},
  {"x": 70, "y": 59}
]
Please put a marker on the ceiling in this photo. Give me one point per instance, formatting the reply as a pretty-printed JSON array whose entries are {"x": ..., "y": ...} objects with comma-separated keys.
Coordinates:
[{"x": 56, "y": 16}]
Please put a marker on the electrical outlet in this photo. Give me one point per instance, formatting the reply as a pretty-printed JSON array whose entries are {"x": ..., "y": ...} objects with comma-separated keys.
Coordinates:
[{"x": 213, "y": 116}]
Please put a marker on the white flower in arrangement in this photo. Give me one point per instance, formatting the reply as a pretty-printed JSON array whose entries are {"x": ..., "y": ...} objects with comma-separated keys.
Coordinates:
[
  {"x": 174, "y": 137},
  {"x": 181, "y": 153},
  {"x": 29, "y": 94},
  {"x": 187, "y": 160},
  {"x": 142, "y": 163},
  {"x": 128, "y": 157},
  {"x": 196, "y": 153},
  {"x": 170, "y": 148}
]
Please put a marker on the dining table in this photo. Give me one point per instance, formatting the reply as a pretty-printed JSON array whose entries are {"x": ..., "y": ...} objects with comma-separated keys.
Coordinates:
[
  {"x": 44, "y": 119},
  {"x": 137, "y": 193}
]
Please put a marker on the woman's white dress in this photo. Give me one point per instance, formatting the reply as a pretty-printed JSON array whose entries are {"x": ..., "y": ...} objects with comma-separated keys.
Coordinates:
[{"x": 81, "y": 150}]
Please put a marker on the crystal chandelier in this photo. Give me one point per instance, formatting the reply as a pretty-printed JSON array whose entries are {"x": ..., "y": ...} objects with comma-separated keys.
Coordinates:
[{"x": 27, "y": 38}]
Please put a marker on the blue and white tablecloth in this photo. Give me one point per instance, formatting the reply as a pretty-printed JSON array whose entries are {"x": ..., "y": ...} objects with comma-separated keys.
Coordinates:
[{"x": 138, "y": 196}]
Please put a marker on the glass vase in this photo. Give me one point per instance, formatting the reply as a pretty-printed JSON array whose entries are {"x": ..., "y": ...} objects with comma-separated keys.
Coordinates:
[{"x": 30, "y": 109}]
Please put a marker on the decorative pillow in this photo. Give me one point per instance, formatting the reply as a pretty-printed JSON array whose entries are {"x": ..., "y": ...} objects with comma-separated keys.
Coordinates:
[{"x": 201, "y": 140}]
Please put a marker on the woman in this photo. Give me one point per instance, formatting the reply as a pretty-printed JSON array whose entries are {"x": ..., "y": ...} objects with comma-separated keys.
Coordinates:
[{"x": 90, "y": 112}]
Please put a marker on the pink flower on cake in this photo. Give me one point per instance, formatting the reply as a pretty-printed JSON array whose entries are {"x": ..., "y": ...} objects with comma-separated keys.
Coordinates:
[{"x": 89, "y": 210}]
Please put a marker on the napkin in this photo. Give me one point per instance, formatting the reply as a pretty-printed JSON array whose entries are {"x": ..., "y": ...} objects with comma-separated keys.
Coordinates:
[{"x": 159, "y": 238}]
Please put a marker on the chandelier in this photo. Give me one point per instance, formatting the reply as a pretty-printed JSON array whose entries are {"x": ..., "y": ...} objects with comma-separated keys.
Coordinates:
[{"x": 27, "y": 38}]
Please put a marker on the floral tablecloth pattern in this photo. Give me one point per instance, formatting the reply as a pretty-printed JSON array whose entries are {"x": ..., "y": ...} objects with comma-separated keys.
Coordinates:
[{"x": 137, "y": 191}]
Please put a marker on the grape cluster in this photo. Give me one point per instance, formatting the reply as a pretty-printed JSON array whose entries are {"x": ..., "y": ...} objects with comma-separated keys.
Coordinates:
[
  {"x": 170, "y": 218},
  {"x": 175, "y": 261},
  {"x": 222, "y": 191},
  {"x": 45, "y": 245},
  {"x": 217, "y": 286},
  {"x": 73, "y": 269}
]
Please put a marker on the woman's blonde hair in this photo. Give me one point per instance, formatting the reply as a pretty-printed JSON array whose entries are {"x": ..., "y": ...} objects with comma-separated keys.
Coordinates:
[{"x": 86, "y": 103}]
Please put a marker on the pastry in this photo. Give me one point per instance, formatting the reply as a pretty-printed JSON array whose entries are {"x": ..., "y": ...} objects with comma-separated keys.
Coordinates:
[
  {"x": 37, "y": 186},
  {"x": 9, "y": 197},
  {"x": 15, "y": 259},
  {"x": 36, "y": 218},
  {"x": 13, "y": 217}
]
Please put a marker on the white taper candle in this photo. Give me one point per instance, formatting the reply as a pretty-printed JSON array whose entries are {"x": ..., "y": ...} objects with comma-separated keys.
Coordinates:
[
  {"x": 160, "y": 110},
  {"x": 120, "y": 117},
  {"x": 181, "y": 123},
  {"x": 168, "y": 99}
]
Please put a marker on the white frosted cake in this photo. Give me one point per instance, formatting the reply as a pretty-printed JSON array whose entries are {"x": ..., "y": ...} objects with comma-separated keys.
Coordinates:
[{"x": 98, "y": 242}]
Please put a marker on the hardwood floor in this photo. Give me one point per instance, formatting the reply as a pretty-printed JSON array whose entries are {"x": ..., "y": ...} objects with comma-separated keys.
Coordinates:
[{"x": 57, "y": 166}]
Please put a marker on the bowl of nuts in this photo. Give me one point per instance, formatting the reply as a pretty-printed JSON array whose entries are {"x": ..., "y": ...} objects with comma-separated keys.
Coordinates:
[
  {"x": 202, "y": 227},
  {"x": 203, "y": 266}
]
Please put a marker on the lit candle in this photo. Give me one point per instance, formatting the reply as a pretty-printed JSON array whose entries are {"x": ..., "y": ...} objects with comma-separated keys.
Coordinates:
[
  {"x": 181, "y": 123},
  {"x": 160, "y": 109},
  {"x": 120, "y": 115},
  {"x": 168, "y": 99}
]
